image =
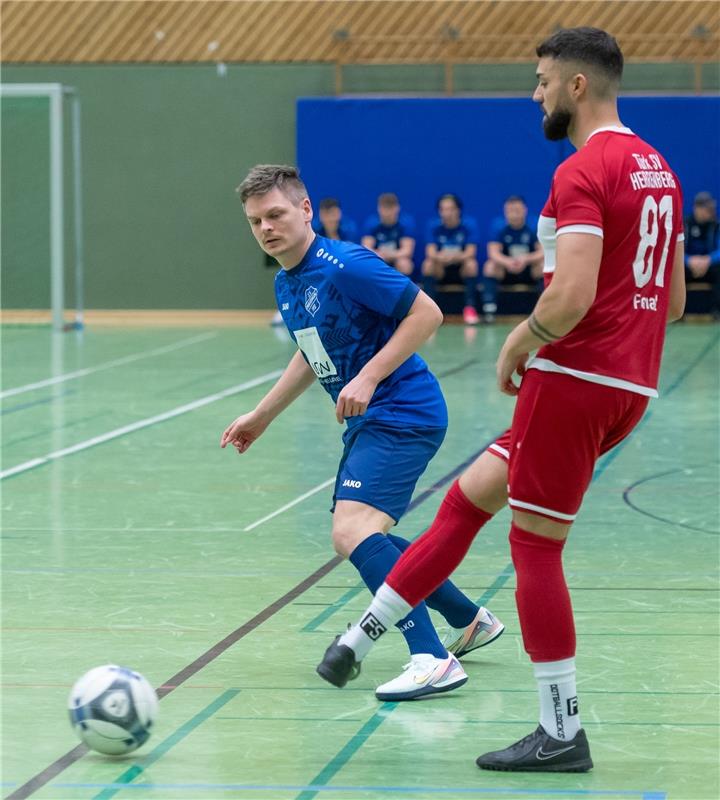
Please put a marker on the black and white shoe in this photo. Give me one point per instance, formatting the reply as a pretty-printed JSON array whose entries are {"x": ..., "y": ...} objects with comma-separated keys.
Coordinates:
[
  {"x": 539, "y": 752},
  {"x": 338, "y": 665}
]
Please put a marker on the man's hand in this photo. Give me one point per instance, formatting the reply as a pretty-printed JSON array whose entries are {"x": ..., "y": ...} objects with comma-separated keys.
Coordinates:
[
  {"x": 355, "y": 397},
  {"x": 510, "y": 361},
  {"x": 244, "y": 431},
  {"x": 698, "y": 265},
  {"x": 516, "y": 265},
  {"x": 448, "y": 256}
]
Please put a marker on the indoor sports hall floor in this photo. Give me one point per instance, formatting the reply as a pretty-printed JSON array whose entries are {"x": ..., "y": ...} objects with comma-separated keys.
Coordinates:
[{"x": 130, "y": 537}]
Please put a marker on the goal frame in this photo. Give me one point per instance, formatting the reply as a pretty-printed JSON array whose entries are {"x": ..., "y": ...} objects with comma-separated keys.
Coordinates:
[{"x": 56, "y": 94}]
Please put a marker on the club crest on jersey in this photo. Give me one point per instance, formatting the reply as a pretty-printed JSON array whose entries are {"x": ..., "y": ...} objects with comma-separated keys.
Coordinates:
[{"x": 312, "y": 304}]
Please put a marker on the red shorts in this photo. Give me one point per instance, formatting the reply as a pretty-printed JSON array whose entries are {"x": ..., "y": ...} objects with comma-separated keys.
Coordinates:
[
  {"x": 561, "y": 426},
  {"x": 501, "y": 446}
]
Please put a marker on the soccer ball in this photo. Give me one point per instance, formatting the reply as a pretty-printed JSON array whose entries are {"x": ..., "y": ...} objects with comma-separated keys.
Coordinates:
[{"x": 112, "y": 709}]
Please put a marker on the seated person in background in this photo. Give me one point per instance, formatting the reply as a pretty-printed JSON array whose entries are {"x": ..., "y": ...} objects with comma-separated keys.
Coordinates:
[
  {"x": 452, "y": 243},
  {"x": 391, "y": 234},
  {"x": 514, "y": 255},
  {"x": 332, "y": 223},
  {"x": 702, "y": 247}
]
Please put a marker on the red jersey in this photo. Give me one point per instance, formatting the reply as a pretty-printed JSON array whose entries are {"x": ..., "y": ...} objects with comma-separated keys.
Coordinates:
[{"x": 621, "y": 189}]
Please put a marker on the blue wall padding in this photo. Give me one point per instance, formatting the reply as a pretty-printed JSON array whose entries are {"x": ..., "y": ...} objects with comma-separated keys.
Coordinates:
[{"x": 483, "y": 149}]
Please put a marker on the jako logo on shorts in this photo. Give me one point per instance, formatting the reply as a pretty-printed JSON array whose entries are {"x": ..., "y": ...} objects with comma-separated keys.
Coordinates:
[{"x": 352, "y": 484}]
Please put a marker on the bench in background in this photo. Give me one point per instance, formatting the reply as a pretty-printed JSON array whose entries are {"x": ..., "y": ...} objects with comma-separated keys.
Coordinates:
[{"x": 520, "y": 298}]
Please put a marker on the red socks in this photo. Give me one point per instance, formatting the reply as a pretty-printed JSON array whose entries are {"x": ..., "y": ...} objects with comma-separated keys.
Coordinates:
[
  {"x": 542, "y": 596},
  {"x": 436, "y": 554}
]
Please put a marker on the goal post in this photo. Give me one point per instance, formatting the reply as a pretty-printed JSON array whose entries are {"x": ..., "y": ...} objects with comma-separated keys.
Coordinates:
[{"x": 56, "y": 94}]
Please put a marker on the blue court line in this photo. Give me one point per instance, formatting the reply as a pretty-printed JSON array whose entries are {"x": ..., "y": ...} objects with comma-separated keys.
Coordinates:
[
  {"x": 608, "y": 458},
  {"x": 691, "y": 366},
  {"x": 357, "y": 741},
  {"x": 32, "y": 403},
  {"x": 154, "y": 755},
  {"x": 338, "y": 762},
  {"x": 605, "y": 462},
  {"x": 324, "y": 615},
  {"x": 442, "y": 790},
  {"x": 507, "y": 572},
  {"x": 49, "y": 431},
  {"x": 496, "y": 585},
  {"x": 416, "y": 501}
]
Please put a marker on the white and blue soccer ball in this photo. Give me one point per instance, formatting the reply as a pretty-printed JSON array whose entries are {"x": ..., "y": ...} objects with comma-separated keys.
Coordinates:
[{"x": 112, "y": 709}]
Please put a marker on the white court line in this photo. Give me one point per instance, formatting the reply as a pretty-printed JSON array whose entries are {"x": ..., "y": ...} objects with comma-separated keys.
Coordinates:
[
  {"x": 290, "y": 504},
  {"x": 143, "y": 423},
  {"x": 68, "y": 376}
]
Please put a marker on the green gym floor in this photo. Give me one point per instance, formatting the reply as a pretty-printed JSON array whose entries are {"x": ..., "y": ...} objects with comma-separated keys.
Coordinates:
[{"x": 129, "y": 537}]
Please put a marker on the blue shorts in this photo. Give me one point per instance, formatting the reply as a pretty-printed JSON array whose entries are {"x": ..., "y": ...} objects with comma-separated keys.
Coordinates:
[{"x": 381, "y": 465}]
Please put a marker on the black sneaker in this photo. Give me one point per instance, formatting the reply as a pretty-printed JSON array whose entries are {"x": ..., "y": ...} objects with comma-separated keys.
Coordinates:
[
  {"x": 338, "y": 665},
  {"x": 539, "y": 752}
]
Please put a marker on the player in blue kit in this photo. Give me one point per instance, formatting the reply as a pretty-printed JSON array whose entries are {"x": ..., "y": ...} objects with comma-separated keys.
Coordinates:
[
  {"x": 391, "y": 234},
  {"x": 357, "y": 324},
  {"x": 452, "y": 243},
  {"x": 332, "y": 223},
  {"x": 514, "y": 255}
]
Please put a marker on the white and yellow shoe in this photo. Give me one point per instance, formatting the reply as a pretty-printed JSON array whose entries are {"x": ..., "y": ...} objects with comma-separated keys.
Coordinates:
[
  {"x": 485, "y": 628},
  {"x": 423, "y": 676}
]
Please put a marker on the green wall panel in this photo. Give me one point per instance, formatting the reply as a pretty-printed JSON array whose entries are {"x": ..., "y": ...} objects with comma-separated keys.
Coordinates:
[
  {"x": 711, "y": 77},
  {"x": 494, "y": 78},
  {"x": 658, "y": 77},
  {"x": 393, "y": 78},
  {"x": 163, "y": 149},
  {"x": 25, "y": 193}
]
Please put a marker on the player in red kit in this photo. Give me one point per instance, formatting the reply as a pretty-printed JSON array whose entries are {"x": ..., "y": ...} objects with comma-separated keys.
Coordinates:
[{"x": 612, "y": 232}]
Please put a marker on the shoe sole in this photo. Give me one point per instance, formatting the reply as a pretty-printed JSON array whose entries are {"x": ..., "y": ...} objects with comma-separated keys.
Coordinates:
[
  {"x": 581, "y": 766},
  {"x": 493, "y": 638},
  {"x": 421, "y": 691},
  {"x": 331, "y": 677}
]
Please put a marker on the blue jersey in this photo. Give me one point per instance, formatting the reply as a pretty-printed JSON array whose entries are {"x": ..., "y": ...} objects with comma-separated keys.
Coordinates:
[
  {"x": 452, "y": 238},
  {"x": 702, "y": 239},
  {"x": 515, "y": 241},
  {"x": 341, "y": 304},
  {"x": 389, "y": 235}
]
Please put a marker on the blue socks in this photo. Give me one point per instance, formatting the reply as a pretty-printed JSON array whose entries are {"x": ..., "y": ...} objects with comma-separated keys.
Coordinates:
[
  {"x": 489, "y": 295},
  {"x": 373, "y": 559},
  {"x": 470, "y": 287},
  {"x": 457, "y": 608}
]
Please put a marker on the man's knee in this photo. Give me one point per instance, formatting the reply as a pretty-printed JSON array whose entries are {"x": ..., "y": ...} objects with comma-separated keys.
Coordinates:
[
  {"x": 430, "y": 267},
  {"x": 541, "y": 526},
  {"x": 469, "y": 268},
  {"x": 353, "y": 523},
  {"x": 404, "y": 265},
  {"x": 493, "y": 270},
  {"x": 344, "y": 539}
]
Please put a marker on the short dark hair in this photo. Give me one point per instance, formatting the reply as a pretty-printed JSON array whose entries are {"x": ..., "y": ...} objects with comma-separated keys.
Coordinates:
[
  {"x": 450, "y": 196},
  {"x": 328, "y": 202},
  {"x": 515, "y": 198},
  {"x": 591, "y": 46},
  {"x": 704, "y": 199},
  {"x": 263, "y": 178},
  {"x": 388, "y": 199}
]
